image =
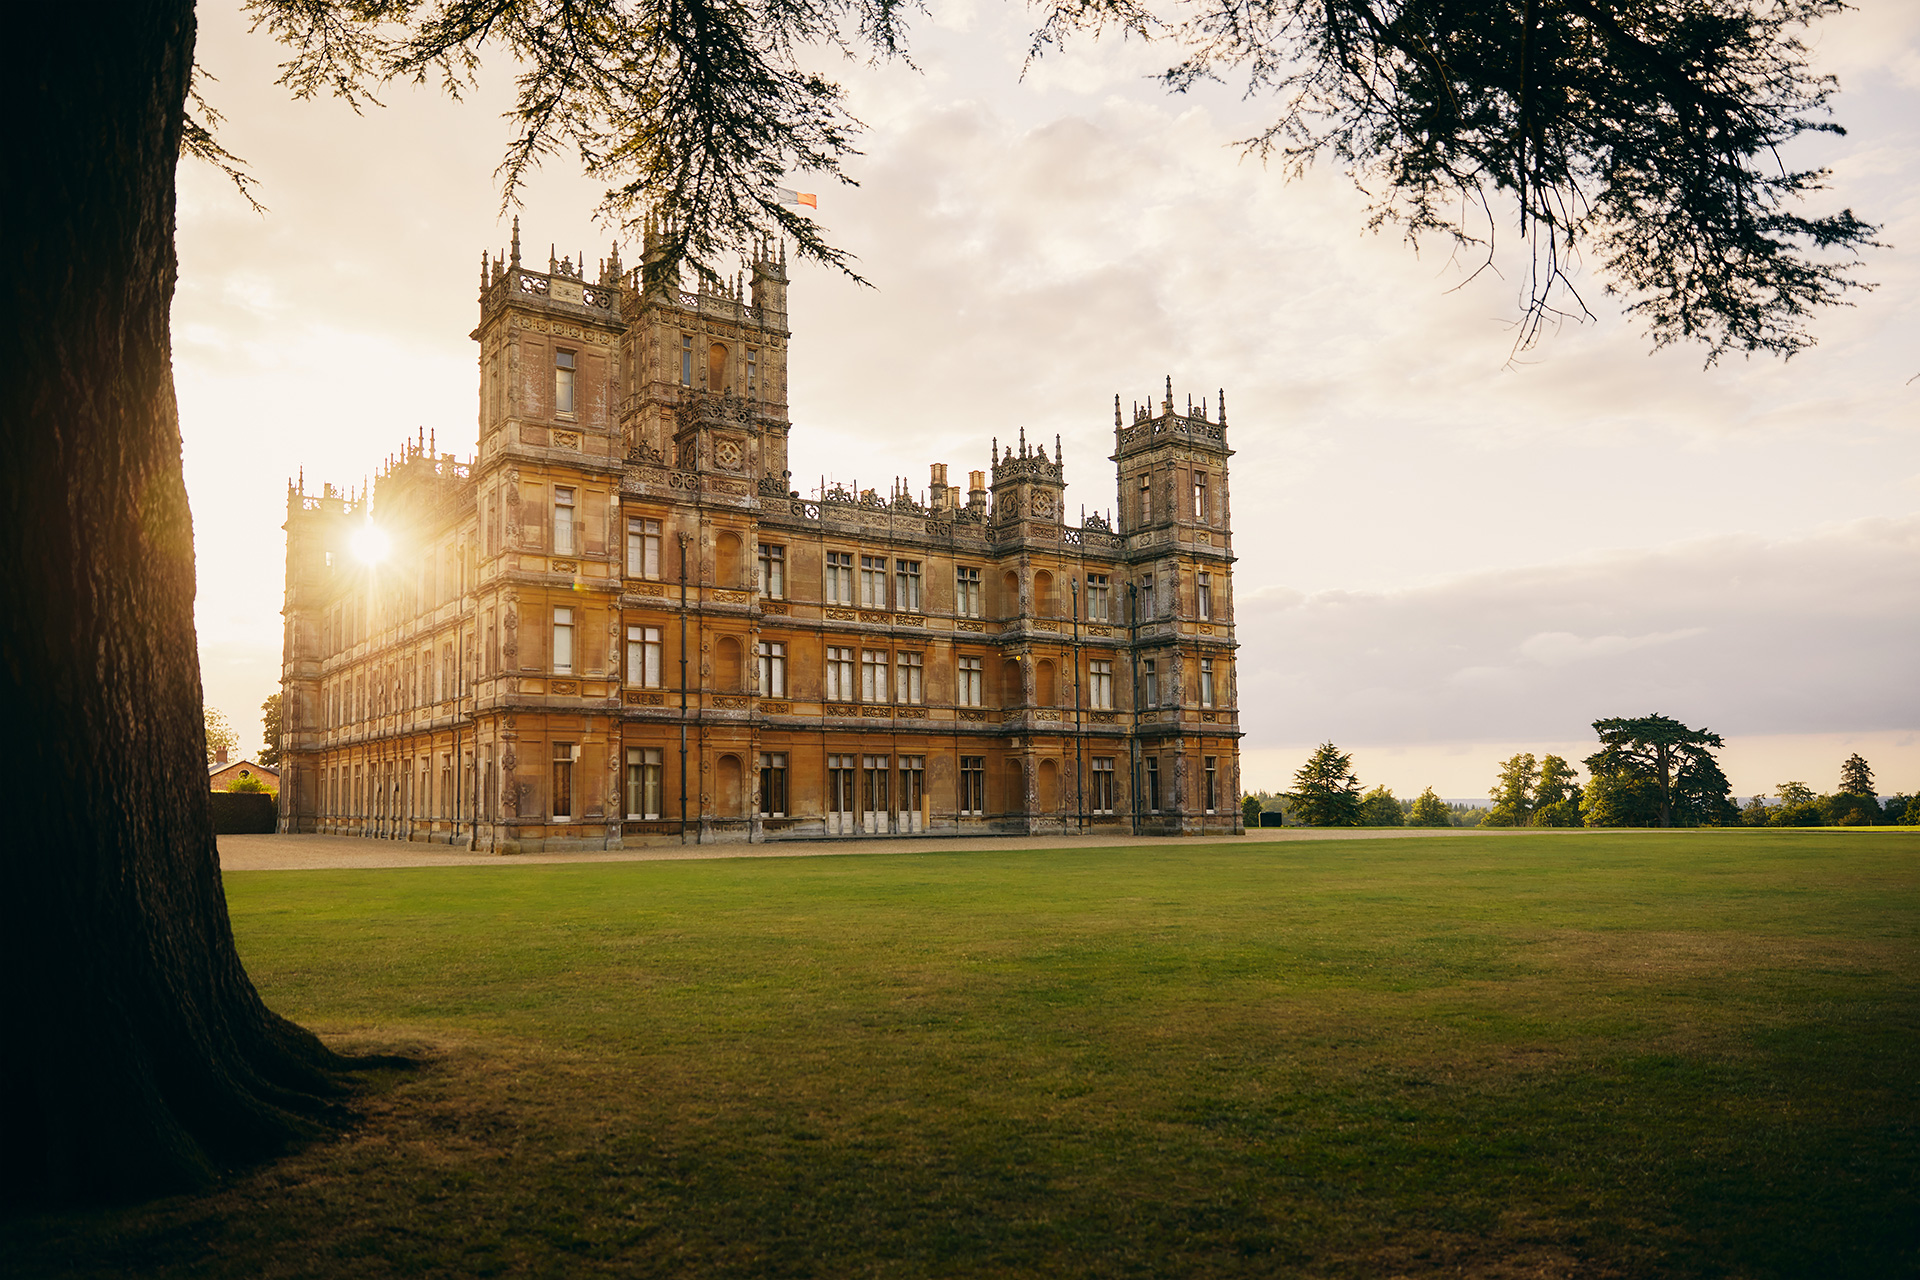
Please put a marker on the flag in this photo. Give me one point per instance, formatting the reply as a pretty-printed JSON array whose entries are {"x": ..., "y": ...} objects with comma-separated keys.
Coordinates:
[{"x": 790, "y": 196}]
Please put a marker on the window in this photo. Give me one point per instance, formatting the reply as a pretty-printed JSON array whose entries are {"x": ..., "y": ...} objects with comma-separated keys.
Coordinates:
[
  {"x": 643, "y": 657},
  {"x": 839, "y": 675},
  {"x": 1213, "y": 781},
  {"x": 873, "y": 675},
  {"x": 1102, "y": 790},
  {"x": 839, "y": 577},
  {"x": 966, "y": 592},
  {"x": 873, "y": 582},
  {"x": 1146, "y": 600},
  {"x": 643, "y": 549},
  {"x": 1099, "y": 606},
  {"x": 906, "y": 679},
  {"x": 1150, "y": 682},
  {"x": 840, "y": 777},
  {"x": 753, "y": 373},
  {"x": 1200, "y": 508},
  {"x": 564, "y": 754},
  {"x": 563, "y": 369},
  {"x": 1146, "y": 499},
  {"x": 913, "y": 783},
  {"x": 563, "y": 522},
  {"x": 972, "y": 681},
  {"x": 1100, "y": 684},
  {"x": 562, "y": 642},
  {"x": 773, "y": 572},
  {"x": 906, "y": 586},
  {"x": 1203, "y": 596},
  {"x": 773, "y": 668},
  {"x": 1153, "y": 784},
  {"x": 686, "y": 360},
  {"x": 873, "y": 783},
  {"x": 644, "y": 787},
  {"x": 1206, "y": 682},
  {"x": 973, "y": 785},
  {"x": 773, "y": 784}
]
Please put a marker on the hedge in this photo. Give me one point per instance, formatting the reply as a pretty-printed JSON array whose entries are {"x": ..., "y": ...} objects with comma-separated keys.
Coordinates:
[{"x": 245, "y": 813}]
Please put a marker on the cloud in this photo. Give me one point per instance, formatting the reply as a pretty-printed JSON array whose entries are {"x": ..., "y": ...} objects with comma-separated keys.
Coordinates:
[{"x": 1744, "y": 634}]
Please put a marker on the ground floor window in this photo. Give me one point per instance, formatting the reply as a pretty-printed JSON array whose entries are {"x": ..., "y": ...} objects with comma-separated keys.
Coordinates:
[
  {"x": 563, "y": 756},
  {"x": 840, "y": 775},
  {"x": 873, "y": 790},
  {"x": 913, "y": 782},
  {"x": 1213, "y": 781},
  {"x": 1102, "y": 784},
  {"x": 1153, "y": 785},
  {"x": 973, "y": 785},
  {"x": 644, "y": 784},
  {"x": 773, "y": 784}
]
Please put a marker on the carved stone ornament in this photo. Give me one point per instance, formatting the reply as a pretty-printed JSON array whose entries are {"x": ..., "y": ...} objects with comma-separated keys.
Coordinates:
[
  {"x": 728, "y": 454},
  {"x": 1041, "y": 503}
]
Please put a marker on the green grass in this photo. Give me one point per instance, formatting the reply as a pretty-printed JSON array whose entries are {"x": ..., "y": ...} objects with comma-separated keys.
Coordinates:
[{"x": 1692, "y": 1054}]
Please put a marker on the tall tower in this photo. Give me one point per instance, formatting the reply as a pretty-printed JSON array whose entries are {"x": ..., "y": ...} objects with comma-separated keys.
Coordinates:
[{"x": 1176, "y": 519}]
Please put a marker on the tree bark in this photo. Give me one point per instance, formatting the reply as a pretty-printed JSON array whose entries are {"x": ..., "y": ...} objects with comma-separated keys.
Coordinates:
[{"x": 137, "y": 1056}]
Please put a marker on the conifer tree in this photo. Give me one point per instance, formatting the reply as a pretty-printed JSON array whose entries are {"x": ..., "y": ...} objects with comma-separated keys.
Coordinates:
[
  {"x": 1325, "y": 791},
  {"x": 1856, "y": 777}
]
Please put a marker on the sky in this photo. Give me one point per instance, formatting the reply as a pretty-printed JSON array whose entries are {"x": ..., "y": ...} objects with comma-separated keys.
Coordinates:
[{"x": 1447, "y": 554}]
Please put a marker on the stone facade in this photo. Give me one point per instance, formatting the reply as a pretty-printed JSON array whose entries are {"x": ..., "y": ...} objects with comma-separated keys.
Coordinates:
[{"x": 620, "y": 623}]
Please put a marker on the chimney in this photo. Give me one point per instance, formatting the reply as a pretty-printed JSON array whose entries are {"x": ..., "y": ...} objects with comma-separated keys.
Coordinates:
[
  {"x": 977, "y": 490},
  {"x": 220, "y": 756}
]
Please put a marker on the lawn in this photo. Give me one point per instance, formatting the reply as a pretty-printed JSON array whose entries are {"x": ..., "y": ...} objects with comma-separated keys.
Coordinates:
[{"x": 1687, "y": 1054}]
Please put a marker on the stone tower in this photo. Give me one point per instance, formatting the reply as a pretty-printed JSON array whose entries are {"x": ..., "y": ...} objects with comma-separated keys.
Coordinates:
[
  {"x": 1176, "y": 519},
  {"x": 706, "y": 373}
]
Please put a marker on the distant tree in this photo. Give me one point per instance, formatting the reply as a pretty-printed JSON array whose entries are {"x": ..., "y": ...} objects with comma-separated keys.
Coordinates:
[
  {"x": 1856, "y": 777},
  {"x": 1900, "y": 809},
  {"x": 1250, "y": 811},
  {"x": 1794, "y": 794},
  {"x": 1325, "y": 791},
  {"x": 270, "y": 730},
  {"x": 1556, "y": 800},
  {"x": 246, "y": 784},
  {"x": 1621, "y": 799},
  {"x": 221, "y": 739},
  {"x": 1429, "y": 810},
  {"x": 1810, "y": 814},
  {"x": 1378, "y": 808},
  {"x": 1756, "y": 812},
  {"x": 1845, "y": 810},
  {"x": 1512, "y": 795},
  {"x": 1677, "y": 764}
]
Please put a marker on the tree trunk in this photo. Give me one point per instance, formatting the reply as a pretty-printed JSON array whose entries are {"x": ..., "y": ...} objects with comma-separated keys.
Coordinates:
[{"x": 137, "y": 1057}]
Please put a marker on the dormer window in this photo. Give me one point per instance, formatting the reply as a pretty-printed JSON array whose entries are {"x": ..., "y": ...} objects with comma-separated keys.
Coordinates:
[{"x": 563, "y": 371}]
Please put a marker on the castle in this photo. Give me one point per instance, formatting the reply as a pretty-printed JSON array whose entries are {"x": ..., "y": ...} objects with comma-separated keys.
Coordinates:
[{"x": 619, "y": 623}]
